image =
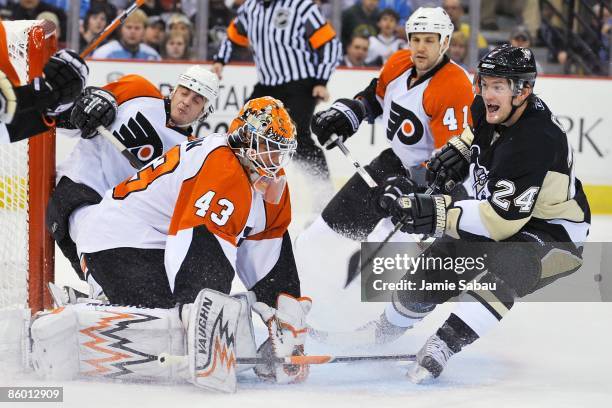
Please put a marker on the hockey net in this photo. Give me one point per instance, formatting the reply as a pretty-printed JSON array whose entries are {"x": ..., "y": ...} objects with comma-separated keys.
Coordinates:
[{"x": 27, "y": 177}]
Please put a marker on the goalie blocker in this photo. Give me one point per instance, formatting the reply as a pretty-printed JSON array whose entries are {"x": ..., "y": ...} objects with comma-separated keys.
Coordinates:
[{"x": 125, "y": 342}]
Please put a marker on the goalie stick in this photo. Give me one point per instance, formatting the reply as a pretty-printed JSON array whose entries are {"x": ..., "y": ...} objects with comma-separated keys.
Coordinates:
[{"x": 165, "y": 359}]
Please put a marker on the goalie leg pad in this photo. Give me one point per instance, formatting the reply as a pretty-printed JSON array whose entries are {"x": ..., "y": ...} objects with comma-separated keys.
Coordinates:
[
  {"x": 245, "y": 334},
  {"x": 106, "y": 341},
  {"x": 14, "y": 340},
  {"x": 211, "y": 340}
]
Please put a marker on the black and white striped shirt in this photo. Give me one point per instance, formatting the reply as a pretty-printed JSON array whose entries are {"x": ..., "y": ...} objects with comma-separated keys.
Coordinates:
[{"x": 290, "y": 40}]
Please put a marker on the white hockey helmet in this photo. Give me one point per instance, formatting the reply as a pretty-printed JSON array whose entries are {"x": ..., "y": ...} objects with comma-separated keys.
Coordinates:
[
  {"x": 204, "y": 82},
  {"x": 431, "y": 20}
]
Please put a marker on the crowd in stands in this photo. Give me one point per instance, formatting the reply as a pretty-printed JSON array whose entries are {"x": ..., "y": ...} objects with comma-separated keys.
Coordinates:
[{"x": 371, "y": 29}]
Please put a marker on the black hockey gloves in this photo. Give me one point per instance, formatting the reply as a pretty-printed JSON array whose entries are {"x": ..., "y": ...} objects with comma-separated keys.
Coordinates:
[
  {"x": 450, "y": 165},
  {"x": 63, "y": 81},
  {"x": 96, "y": 107},
  {"x": 393, "y": 187},
  {"x": 419, "y": 213},
  {"x": 65, "y": 75},
  {"x": 342, "y": 118}
]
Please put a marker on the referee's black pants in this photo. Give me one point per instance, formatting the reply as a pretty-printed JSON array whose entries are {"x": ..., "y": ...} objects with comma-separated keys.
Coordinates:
[{"x": 298, "y": 99}]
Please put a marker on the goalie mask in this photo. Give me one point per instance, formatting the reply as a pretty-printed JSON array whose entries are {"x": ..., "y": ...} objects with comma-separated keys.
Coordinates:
[
  {"x": 203, "y": 82},
  {"x": 264, "y": 137}
]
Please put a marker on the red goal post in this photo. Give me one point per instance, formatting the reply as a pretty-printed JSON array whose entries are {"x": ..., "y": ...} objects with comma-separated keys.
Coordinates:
[{"x": 27, "y": 178}]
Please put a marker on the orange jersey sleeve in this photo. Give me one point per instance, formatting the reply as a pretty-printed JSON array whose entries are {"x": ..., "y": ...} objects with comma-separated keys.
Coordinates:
[
  {"x": 5, "y": 62},
  {"x": 447, "y": 101},
  {"x": 218, "y": 196},
  {"x": 132, "y": 86},
  {"x": 395, "y": 66}
]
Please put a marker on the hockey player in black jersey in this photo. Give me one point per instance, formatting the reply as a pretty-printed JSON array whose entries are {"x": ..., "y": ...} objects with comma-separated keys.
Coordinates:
[{"x": 527, "y": 212}]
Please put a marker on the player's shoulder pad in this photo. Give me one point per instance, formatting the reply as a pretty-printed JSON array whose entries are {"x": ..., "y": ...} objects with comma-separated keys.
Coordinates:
[
  {"x": 450, "y": 86},
  {"x": 451, "y": 81},
  {"x": 132, "y": 86},
  {"x": 537, "y": 119},
  {"x": 398, "y": 63}
]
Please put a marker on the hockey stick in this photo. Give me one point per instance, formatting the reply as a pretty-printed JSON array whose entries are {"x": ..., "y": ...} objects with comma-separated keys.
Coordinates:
[
  {"x": 165, "y": 359},
  {"x": 360, "y": 169},
  {"x": 137, "y": 164},
  {"x": 111, "y": 27},
  {"x": 134, "y": 161},
  {"x": 397, "y": 227}
]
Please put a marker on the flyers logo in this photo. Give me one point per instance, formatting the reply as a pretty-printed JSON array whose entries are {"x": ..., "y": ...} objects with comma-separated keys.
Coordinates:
[
  {"x": 404, "y": 124},
  {"x": 140, "y": 138}
]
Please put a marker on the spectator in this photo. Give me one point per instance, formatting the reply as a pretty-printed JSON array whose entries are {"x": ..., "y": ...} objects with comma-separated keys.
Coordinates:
[
  {"x": 457, "y": 51},
  {"x": 65, "y": 4},
  {"x": 360, "y": 18},
  {"x": 175, "y": 47},
  {"x": 108, "y": 7},
  {"x": 520, "y": 37},
  {"x": 455, "y": 12},
  {"x": 386, "y": 42},
  {"x": 93, "y": 24},
  {"x": 552, "y": 36},
  {"x": 155, "y": 33},
  {"x": 357, "y": 51},
  {"x": 29, "y": 9},
  {"x": 5, "y": 10},
  {"x": 180, "y": 23},
  {"x": 491, "y": 8},
  {"x": 130, "y": 44},
  {"x": 403, "y": 8},
  {"x": 152, "y": 8},
  {"x": 601, "y": 23},
  {"x": 219, "y": 18}
]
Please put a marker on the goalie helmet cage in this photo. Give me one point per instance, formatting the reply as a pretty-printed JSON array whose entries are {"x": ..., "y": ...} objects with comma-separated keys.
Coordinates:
[{"x": 27, "y": 178}]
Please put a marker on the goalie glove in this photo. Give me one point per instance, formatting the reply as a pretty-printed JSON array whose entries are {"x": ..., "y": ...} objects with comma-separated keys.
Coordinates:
[
  {"x": 342, "y": 118},
  {"x": 287, "y": 333},
  {"x": 96, "y": 107},
  {"x": 450, "y": 166},
  {"x": 66, "y": 75},
  {"x": 8, "y": 99}
]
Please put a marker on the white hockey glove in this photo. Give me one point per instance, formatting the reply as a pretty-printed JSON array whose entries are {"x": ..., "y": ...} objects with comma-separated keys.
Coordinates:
[
  {"x": 287, "y": 333},
  {"x": 8, "y": 99}
]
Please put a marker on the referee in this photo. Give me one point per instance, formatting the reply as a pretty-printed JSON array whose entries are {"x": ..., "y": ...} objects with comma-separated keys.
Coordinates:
[{"x": 295, "y": 52}]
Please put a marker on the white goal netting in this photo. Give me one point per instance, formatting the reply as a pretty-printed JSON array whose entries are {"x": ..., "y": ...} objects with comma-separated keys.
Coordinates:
[{"x": 15, "y": 205}]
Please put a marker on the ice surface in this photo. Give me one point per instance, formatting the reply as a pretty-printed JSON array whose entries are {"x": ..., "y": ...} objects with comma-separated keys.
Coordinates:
[{"x": 541, "y": 355}]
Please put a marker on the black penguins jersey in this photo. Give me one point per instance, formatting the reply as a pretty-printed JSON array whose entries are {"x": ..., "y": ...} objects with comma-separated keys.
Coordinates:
[{"x": 522, "y": 175}]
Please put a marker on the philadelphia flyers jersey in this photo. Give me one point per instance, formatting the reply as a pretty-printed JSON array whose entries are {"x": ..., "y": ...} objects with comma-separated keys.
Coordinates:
[
  {"x": 197, "y": 183},
  {"x": 522, "y": 175},
  {"x": 141, "y": 125},
  {"x": 422, "y": 117}
]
